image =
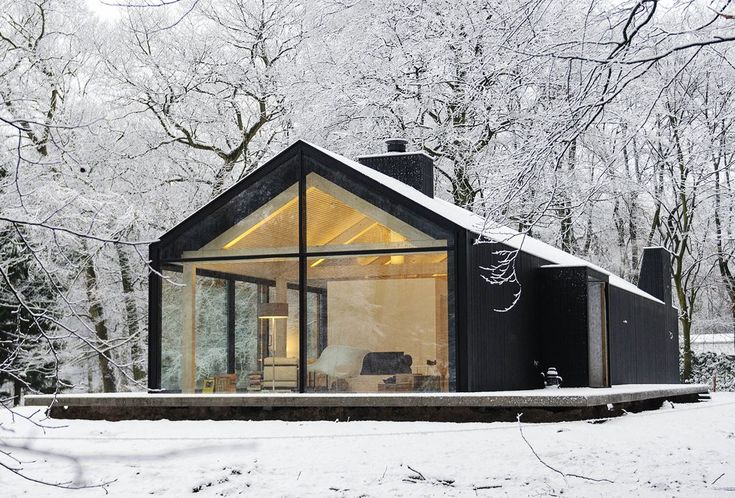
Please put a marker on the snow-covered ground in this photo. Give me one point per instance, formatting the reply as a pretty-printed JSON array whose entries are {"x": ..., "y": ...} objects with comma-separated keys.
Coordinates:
[{"x": 679, "y": 450}]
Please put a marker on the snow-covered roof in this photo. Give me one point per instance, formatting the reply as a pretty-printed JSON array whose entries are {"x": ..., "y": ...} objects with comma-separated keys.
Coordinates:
[
  {"x": 719, "y": 338},
  {"x": 481, "y": 226}
]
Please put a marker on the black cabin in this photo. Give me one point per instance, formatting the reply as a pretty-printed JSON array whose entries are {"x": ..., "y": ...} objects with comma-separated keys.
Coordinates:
[{"x": 317, "y": 273}]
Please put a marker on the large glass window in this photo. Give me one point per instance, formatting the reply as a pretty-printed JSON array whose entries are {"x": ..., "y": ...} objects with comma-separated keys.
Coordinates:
[
  {"x": 273, "y": 228},
  {"x": 211, "y": 326},
  {"x": 171, "y": 316},
  {"x": 386, "y": 324},
  {"x": 376, "y": 295},
  {"x": 232, "y": 325}
]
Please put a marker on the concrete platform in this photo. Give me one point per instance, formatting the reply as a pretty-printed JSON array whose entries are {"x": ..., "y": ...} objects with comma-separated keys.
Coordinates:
[{"x": 536, "y": 405}]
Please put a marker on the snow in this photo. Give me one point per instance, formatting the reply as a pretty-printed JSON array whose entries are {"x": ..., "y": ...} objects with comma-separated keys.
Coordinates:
[
  {"x": 718, "y": 343},
  {"x": 481, "y": 226},
  {"x": 679, "y": 450}
]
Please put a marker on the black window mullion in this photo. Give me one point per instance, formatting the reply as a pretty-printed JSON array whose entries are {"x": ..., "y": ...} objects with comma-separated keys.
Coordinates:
[
  {"x": 302, "y": 275},
  {"x": 230, "y": 326},
  {"x": 315, "y": 253}
]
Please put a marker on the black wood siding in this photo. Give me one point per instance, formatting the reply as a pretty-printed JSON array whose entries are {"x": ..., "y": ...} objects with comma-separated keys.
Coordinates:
[
  {"x": 508, "y": 350},
  {"x": 502, "y": 348},
  {"x": 564, "y": 333},
  {"x": 644, "y": 340}
]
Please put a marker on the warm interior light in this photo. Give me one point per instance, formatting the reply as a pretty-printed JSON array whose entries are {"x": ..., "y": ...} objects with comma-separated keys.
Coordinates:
[
  {"x": 317, "y": 262},
  {"x": 397, "y": 260},
  {"x": 361, "y": 233},
  {"x": 267, "y": 311},
  {"x": 261, "y": 223}
]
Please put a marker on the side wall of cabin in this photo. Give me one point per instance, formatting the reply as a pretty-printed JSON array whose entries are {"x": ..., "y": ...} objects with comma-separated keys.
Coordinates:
[
  {"x": 520, "y": 318},
  {"x": 644, "y": 339},
  {"x": 502, "y": 346}
]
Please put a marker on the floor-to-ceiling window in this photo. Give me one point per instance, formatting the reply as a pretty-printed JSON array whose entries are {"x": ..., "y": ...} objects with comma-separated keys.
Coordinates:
[
  {"x": 386, "y": 323},
  {"x": 307, "y": 284},
  {"x": 230, "y": 305}
]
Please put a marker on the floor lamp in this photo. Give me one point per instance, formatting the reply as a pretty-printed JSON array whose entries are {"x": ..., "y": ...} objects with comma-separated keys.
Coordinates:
[{"x": 273, "y": 312}]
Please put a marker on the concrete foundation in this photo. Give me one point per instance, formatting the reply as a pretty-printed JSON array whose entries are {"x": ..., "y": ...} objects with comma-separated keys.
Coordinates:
[{"x": 541, "y": 405}]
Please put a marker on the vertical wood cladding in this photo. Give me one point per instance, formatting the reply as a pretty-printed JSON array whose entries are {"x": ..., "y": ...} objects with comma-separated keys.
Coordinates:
[
  {"x": 564, "y": 333},
  {"x": 155, "y": 296},
  {"x": 548, "y": 324},
  {"x": 503, "y": 347},
  {"x": 655, "y": 277},
  {"x": 644, "y": 340},
  {"x": 412, "y": 168}
]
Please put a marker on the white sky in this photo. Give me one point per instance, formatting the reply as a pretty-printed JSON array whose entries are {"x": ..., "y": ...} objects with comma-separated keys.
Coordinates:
[{"x": 104, "y": 12}]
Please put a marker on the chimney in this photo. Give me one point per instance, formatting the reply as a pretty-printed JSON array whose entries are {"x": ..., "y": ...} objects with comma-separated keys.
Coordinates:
[
  {"x": 655, "y": 277},
  {"x": 415, "y": 169}
]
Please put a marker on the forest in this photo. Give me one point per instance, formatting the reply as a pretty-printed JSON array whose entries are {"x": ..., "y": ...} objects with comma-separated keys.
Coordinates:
[{"x": 598, "y": 127}]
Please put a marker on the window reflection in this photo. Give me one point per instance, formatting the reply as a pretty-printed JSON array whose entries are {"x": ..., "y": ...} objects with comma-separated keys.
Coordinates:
[
  {"x": 220, "y": 326},
  {"x": 385, "y": 327}
]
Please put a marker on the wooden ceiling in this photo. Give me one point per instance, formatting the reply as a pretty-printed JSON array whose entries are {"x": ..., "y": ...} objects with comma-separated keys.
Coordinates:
[{"x": 335, "y": 218}]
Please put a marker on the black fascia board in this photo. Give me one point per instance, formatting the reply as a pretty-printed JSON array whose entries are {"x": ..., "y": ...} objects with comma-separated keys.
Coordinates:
[{"x": 221, "y": 200}]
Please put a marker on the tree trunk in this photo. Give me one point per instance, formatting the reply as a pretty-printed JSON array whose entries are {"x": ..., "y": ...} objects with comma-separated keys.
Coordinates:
[
  {"x": 17, "y": 391},
  {"x": 723, "y": 259},
  {"x": 462, "y": 191},
  {"x": 131, "y": 311},
  {"x": 565, "y": 210},
  {"x": 100, "y": 328},
  {"x": 633, "y": 217},
  {"x": 679, "y": 229},
  {"x": 686, "y": 327},
  {"x": 220, "y": 178}
]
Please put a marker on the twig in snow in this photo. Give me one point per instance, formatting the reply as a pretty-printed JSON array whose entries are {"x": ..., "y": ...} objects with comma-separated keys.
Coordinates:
[
  {"x": 419, "y": 474},
  {"x": 718, "y": 478},
  {"x": 63, "y": 485},
  {"x": 420, "y": 477},
  {"x": 563, "y": 474},
  {"x": 493, "y": 486}
]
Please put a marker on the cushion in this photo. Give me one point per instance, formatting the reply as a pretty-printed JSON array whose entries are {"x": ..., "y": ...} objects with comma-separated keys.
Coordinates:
[
  {"x": 386, "y": 363},
  {"x": 341, "y": 362}
]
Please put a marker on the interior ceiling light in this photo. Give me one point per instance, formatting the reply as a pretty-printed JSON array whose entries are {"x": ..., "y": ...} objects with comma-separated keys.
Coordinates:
[{"x": 261, "y": 223}]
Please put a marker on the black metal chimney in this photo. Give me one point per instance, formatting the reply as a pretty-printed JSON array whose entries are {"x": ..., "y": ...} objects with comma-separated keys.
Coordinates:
[
  {"x": 655, "y": 277},
  {"x": 415, "y": 169},
  {"x": 396, "y": 144}
]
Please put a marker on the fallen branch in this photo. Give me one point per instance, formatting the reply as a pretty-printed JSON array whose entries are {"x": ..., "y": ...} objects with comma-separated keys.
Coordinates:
[
  {"x": 63, "y": 485},
  {"x": 563, "y": 474},
  {"x": 419, "y": 474},
  {"x": 493, "y": 486},
  {"x": 419, "y": 477},
  {"x": 718, "y": 478}
]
